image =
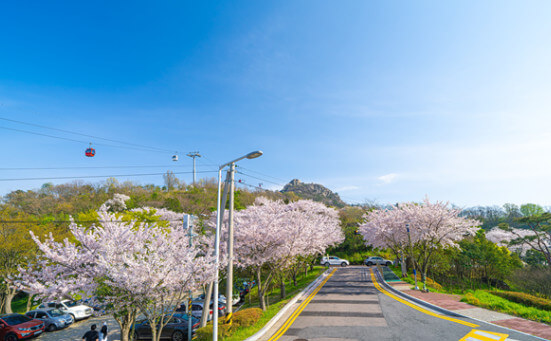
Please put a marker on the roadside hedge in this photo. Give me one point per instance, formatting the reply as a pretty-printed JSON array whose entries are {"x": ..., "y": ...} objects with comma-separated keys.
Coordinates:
[
  {"x": 525, "y": 299},
  {"x": 246, "y": 317}
]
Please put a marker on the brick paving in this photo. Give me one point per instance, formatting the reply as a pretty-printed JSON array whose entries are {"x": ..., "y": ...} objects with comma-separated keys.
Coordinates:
[{"x": 451, "y": 302}]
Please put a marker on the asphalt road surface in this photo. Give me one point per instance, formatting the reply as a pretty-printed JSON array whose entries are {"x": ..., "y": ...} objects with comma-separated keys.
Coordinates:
[{"x": 349, "y": 307}]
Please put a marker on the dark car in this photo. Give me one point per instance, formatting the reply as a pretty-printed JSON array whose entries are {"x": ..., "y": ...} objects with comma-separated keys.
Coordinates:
[
  {"x": 54, "y": 319},
  {"x": 18, "y": 327},
  {"x": 175, "y": 330}
]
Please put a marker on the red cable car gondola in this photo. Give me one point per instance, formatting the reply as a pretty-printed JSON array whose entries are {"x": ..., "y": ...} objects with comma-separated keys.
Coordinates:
[{"x": 90, "y": 152}]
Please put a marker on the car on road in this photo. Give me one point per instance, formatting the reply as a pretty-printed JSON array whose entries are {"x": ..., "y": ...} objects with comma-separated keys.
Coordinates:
[
  {"x": 377, "y": 260},
  {"x": 175, "y": 330},
  {"x": 77, "y": 311},
  {"x": 15, "y": 327},
  {"x": 53, "y": 318},
  {"x": 332, "y": 260}
]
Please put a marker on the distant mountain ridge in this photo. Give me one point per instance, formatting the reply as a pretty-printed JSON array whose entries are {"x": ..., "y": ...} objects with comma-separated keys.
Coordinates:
[{"x": 314, "y": 192}]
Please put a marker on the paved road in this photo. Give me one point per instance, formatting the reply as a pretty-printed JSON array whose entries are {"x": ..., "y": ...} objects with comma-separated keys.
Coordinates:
[
  {"x": 349, "y": 307},
  {"x": 75, "y": 331}
]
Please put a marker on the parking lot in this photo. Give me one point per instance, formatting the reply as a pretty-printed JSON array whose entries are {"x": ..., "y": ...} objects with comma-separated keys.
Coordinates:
[{"x": 76, "y": 330}]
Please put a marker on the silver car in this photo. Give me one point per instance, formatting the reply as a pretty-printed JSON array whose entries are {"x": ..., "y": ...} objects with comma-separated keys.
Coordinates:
[
  {"x": 377, "y": 260},
  {"x": 332, "y": 260},
  {"x": 53, "y": 318}
]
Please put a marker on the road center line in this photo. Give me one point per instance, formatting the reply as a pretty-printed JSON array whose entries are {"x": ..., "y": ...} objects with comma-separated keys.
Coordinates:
[{"x": 378, "y": 286}]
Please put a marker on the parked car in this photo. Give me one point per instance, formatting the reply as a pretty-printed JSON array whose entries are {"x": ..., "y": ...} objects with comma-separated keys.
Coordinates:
[
  {"x": 77, "y": 311},
  {"x": 15, "y": 327},
  {"x": 332, "y": 260},
  {"x": 377, "y": 260},
  {"x": 221, "y": 298},
  {"x": 53, "y": 318},
  {"x": 176, "y": 329},
  {"x": 197, "y": 309}
]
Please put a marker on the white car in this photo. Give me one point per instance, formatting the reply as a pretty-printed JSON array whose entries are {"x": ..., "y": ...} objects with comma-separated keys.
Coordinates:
[
  {"x": 77, "y": 311},
  {"x": 377, "y": 260},
  {"x": 332, "y": 260}
]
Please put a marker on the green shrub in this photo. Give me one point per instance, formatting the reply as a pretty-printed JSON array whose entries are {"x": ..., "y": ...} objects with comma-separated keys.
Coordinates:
[
  {"x": 246, "y": 317},
  {"x": 205, "y": 333},
  {"x": 430, "y": 282},
  {"x": 525, "y": 299},
  {"x": 471, "y": 299}
]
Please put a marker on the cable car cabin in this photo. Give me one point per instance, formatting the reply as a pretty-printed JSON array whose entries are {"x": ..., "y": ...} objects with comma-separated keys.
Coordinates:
[
  {"x": 90, "y": 152},
  {"x": 174, "y": 157}
]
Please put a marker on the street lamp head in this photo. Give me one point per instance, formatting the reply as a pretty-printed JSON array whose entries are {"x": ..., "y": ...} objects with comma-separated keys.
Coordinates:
[{"x": 254, "y": 155}]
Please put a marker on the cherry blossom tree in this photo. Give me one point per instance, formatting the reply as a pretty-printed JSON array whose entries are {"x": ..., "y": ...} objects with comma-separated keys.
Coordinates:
[
  {"x": 431, "y": 225},
  {"x": 536, "y": 235},
  {"x": 127, "y": 265},
  {"x": 272, "y": 233}
]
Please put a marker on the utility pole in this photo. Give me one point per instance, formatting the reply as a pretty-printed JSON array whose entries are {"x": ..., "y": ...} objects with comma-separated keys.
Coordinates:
[
  {"x": 193, "y": 155},
  {"x": 229, "y": 281},
  {"x": 188, "y": 224}
]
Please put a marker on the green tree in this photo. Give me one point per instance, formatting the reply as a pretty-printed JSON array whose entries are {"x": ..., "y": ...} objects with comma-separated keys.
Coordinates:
[{"x": 531, "y": 210}]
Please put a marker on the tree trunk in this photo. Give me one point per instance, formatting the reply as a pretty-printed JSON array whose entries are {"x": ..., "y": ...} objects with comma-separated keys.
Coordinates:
[
  {"x": 9, "y": 295},
  {"x": 282, "y": 287},
  {"x": 29, "y": 302},
  {"x": 261, "y": 301},
  {"x": 295, "y": 279},
  {"x": 126, "y": 321},
  {"x": 403, "y": 265},
  {"x": 424, "y": 275},
  {"x": 206, "y": 305}
]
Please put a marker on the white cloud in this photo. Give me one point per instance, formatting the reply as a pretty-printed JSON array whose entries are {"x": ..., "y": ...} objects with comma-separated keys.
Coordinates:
[{"x": 387, "y": 178}]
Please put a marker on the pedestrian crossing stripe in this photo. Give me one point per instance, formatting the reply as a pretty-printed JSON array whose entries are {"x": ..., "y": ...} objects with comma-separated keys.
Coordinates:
[{"x": 483, "y": 335}]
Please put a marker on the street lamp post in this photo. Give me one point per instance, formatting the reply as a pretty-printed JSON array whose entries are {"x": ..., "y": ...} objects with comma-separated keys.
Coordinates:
[{"x": 219, "y": 219}]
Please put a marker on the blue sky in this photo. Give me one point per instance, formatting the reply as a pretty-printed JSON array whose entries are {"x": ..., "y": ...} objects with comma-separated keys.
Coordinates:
[{"x": 380, "y": 101}]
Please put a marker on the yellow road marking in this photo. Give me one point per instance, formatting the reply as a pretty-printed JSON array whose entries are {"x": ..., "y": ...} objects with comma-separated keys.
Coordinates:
[
  {"x": 428, "y": 312},
  {"x": 300, "y": 308},
  {"x": 483, "y": 335}
]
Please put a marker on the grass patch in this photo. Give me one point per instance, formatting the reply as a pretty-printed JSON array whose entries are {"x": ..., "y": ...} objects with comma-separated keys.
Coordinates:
[
  {"x": 19, "y": 303},
  {"x": 525, "y": 299},
  {"x": 487, "y": 300},
  {"x": 242, "y": 333},
  {"x": 273, "y": 296}
]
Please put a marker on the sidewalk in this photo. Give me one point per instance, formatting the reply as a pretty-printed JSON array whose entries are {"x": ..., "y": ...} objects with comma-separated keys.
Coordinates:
[{"x": 452, "y": 303}]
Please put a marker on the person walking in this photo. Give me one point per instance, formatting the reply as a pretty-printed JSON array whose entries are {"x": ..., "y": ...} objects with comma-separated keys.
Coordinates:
[
  {"x": 103, "y": 332},
  {"x": 91, "y": 335}
]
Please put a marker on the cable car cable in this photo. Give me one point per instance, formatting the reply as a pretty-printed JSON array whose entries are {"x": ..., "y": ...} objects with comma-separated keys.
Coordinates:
[
  {"x": 101, "y": 176},
  {"x": 86, "y": 135}
]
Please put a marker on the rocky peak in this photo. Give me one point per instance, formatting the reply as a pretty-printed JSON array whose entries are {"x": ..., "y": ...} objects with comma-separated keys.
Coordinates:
[{"x": 314, "y": 192}]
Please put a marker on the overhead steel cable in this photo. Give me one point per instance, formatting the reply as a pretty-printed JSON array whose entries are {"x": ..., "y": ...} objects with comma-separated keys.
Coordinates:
[
  {"x": 259, "y": 173},
  {"x": 88, "y": 167},
  {"x": 254, "y": 177},
  {"x": 73, "y": 140},
  {"x": 99, "y": 176},
  {"x": 85, "y": 135}
]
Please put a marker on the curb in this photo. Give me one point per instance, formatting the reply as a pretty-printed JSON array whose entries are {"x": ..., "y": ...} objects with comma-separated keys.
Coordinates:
[
  {"x": 283, "y": 310},
  {"x": 414, "y": 299},
  {"x": 442, "y": 310}
]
